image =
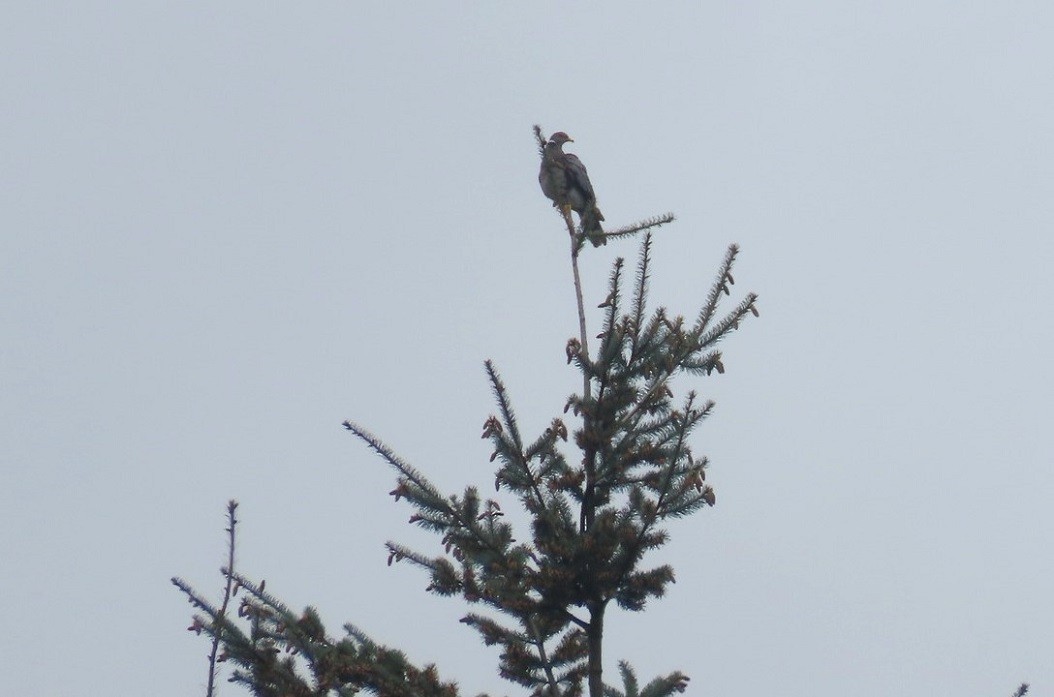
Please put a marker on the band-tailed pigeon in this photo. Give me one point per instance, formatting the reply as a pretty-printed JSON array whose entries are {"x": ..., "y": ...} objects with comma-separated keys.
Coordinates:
[{"x": 564, "y": 180}]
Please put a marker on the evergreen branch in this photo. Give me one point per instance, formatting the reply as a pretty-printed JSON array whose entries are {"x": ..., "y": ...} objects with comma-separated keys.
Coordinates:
[
  {"x": 723, "y": 280},
  {"x": 629, "y": 423},
  {"x": 640, "y": 226},
  {"x": 691, "y": 503},
  {"x": 571, "y": 648},
  {"x": 1021, "y": 691},
  {"x": 663, "y": 686},
  {"x": 683, "y": 427},
  {"x": 596, "y": 419},
  {"x": 397, "y": 553},
  {"x": 258, "y": 653},
  {"x": 572, "y": 677},
  {"x": 516, "y": 644},
  {"x": 640, "y": 295},
  {"x": 706, "y": 364},
  {"x": 638, "y": 586},
  {"x": 214, "y": 625},
  {"x": 691, "y": 342},
  {"x": 385, "y": 671},
  {"x": 243, "y": 650},
  {"x": 539, "y": 645},
  {"x": 666, "y": 685},
  {"x": 259, "y": 592},
  {"x": 729, "y": 322},
  {"x": 650, "y": 338},
  {"x": 544, "y": 447},
  {"x": 611, "y": 305},
  {"x": 629, "y": 682},
  {"x": 541, "y": 140},
  {"x": 492, "y": 632},
  {"x": 501, "y": 395},
  {"x": 404, "y": 468},
  {"x": 432, "y": 501},
  {"x": 353, "y": 664}
]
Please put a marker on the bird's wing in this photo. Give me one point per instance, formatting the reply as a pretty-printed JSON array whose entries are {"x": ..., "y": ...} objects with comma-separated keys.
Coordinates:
[{"x": 577, "y": 176}]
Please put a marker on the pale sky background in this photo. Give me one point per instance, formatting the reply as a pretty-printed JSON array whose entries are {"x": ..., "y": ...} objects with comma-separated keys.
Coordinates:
[{"x": 229, "y": 226}]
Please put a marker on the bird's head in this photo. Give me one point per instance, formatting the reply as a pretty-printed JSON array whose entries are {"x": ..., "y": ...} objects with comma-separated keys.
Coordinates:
[{"x": 559, "y": 138}]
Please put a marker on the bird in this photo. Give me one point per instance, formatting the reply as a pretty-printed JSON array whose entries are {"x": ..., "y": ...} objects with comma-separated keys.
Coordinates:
[{"x": 565, "y": 181}]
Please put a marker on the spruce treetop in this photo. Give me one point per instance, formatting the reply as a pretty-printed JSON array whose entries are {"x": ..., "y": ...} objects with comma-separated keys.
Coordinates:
[{"x": 615, "y": 465}]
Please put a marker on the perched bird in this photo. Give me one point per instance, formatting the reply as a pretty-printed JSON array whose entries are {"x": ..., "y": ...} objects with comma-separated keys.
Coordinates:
[{"x": 564, "y": 180}]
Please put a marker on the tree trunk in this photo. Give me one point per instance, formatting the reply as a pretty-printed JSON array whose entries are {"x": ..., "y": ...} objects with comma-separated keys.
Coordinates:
[{"x": 595, "y": 664}]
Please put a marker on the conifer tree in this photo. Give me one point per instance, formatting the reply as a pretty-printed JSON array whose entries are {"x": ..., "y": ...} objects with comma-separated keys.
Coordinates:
[{"x": 599, "y": 485}]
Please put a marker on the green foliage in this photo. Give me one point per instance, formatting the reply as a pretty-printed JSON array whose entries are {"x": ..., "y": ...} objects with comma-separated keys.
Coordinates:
[
  {"x": 282, "y": 654},
  {"x": 663, "y": 686},
  {"x": 593, "y": 517}
]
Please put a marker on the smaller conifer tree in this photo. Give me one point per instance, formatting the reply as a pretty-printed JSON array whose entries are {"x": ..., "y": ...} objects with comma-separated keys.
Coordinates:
[{"x": 595, "y": 509}]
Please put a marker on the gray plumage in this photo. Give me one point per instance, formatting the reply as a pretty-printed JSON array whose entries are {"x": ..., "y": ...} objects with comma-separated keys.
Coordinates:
[{"x": 565, "y": 181}]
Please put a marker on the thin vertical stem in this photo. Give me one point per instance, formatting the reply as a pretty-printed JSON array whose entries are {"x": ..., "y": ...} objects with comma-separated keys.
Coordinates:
[
  {"x": 221, "y": 617},
  {"x": 595, "y": 628},
  {"x": 554, "y": 688},
  {"x": 583, "y": 335}
]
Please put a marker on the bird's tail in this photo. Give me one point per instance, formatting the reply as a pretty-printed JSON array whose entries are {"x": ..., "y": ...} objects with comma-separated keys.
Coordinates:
[{"x": 591, "y": 226}]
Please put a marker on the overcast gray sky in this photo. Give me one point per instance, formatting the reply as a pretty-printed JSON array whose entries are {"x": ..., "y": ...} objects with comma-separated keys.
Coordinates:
[{"x": 229, "y": 226}]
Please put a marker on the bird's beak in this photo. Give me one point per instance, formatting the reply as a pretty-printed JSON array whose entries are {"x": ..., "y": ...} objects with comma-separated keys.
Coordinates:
[{"x": 570, "y": 140}]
